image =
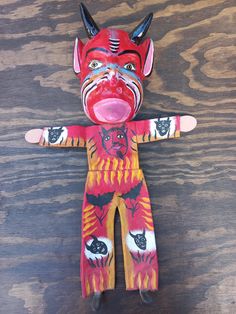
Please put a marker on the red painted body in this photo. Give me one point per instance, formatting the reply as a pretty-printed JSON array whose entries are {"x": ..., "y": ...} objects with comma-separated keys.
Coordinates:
[
  {"x": 111, "y": 67},
  {"x": 115, "y": 181}
]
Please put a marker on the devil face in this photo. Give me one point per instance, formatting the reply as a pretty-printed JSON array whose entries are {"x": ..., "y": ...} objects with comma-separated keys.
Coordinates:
[
  {"x": 112, "y": 87},
  {"x": 163, "y": 126},
  {"x": 111, "y": 67},
  {"x": 97, "y": 246},
  {"x": 54, "y": 134},
  {"x": 115, "y": 141}
]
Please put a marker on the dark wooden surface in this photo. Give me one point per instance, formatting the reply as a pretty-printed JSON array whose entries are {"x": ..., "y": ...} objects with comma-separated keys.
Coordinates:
[{"x": 192, "y": 181}]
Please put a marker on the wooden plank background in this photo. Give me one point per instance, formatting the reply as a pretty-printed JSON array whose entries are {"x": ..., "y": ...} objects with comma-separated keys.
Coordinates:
[{"x": 191, "y": 180}]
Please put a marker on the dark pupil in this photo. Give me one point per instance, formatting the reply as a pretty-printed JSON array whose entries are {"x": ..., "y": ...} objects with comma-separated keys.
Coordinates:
[
  {"x": 93, "y": 64},
  {"x": 120, "y": 136},
  {"x": 107, "y": 138}
]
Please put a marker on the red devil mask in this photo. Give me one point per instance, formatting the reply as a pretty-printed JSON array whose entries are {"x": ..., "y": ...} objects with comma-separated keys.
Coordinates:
[{"x": 111, "y": 67}]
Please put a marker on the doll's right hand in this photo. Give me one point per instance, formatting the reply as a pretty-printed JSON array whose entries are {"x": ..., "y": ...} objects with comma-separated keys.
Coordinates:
[{"x": 33, "y": 136}]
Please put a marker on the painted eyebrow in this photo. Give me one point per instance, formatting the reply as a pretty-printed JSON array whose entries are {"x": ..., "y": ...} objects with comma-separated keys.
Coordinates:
[
  {"x": 99, "y": 49},
  {"x": 130, "y": 51}
]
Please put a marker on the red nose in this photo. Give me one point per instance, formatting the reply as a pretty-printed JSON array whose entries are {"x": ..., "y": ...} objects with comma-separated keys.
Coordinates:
[
  {"x": 112, "y": 86},
  {"x": 114, "y": 79}
]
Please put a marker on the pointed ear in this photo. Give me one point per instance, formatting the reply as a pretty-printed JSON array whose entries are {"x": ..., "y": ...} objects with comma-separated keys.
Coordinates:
[
  {"x": 148, "y": 62},
  {"x": 123, "y": 128},
  {"x": 78, "y": 47},
  {"x": 104, "y": 131}
]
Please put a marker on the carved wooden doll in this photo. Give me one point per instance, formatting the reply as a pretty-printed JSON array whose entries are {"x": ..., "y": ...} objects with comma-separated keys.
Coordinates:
[{"x": 111, "y": 67}]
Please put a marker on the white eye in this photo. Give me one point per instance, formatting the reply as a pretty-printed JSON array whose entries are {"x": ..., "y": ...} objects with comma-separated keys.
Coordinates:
[
  {"x": 130, "y": 66},
  {"x": 95, "y": 64}
]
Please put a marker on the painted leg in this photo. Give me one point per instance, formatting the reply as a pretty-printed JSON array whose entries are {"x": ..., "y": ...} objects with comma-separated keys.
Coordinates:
[
  {"x": 97, "y": 255},
  {"x": 139, "y": 246}
]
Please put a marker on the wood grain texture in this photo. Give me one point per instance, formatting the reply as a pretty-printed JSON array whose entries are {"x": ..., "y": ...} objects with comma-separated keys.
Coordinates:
[{"x": 192, "y": 181}]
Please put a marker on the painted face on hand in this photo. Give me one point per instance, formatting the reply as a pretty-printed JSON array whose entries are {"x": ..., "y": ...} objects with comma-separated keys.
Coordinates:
[{"x": 111, "y": 67}]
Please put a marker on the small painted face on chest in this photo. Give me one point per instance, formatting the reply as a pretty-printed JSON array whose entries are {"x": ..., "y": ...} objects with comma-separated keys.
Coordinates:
[{"x": 115, "y": 141}]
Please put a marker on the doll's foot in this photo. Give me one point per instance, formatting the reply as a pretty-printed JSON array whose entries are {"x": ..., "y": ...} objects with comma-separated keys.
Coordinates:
[
  {"x": 96, "y": 301},
  {"x": 145, "y": 297}
]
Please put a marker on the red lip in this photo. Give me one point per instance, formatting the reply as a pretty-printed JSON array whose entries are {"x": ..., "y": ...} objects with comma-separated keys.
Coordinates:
[
  {"x": 112, "y": 110},
  {"x": 117, "y": 147}
]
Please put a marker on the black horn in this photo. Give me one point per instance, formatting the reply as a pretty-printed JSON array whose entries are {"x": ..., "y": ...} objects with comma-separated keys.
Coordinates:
[
  {"x": 89, "y": 24},
  {"x": 140, "y": 31},
  {"x": 87, "y": 246},
  {"x": 131, "y": 235},
  {"x": 94, "y": 237}
]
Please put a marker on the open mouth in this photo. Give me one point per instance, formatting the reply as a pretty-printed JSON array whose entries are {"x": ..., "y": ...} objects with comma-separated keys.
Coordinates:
[
  {"x": 111, "y": 110},
  {"x": 116, "y": 147}
]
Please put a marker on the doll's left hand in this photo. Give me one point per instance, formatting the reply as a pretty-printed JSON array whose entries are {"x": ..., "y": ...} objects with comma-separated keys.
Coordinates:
[
  {"x": 187, "y": 123},
  {"x": 33, "y": 136}
]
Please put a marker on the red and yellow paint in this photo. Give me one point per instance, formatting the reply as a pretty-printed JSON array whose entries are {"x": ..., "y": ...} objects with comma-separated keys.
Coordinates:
[{"x": 114, "y": 182}]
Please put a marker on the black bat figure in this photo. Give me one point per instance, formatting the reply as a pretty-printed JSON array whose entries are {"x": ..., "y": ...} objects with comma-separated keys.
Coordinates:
[
  {"x": 100, "y": 200},
  {"x": 97, "y": 246},
  {"x": 133, "y": 192},
  {"x": 140, "y": 239},
  {"x": 132, "y": 195}
]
